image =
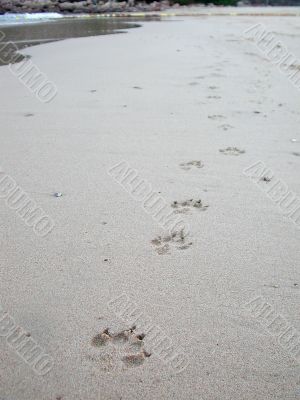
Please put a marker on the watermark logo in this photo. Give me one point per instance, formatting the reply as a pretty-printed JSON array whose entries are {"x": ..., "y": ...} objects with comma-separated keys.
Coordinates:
[
  {"x": 27, "y": 72},
  {"x": 24, "y": 345},
  {"x": 275, "y": 189},
  {"x": 158, "y": 342},
  {"x": 276, "y": 325},
  {"x": 276, "y": 52},
  {"x": 27, "y": 209},
  {"x": 151, "y": 202}
]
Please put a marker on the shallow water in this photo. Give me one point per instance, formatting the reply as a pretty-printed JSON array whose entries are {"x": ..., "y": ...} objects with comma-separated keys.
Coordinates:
[{"x": 30, "y": 34}]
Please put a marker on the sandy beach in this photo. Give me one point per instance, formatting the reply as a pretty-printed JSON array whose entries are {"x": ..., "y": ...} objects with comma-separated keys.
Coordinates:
[{"x": 120, "y": 306}]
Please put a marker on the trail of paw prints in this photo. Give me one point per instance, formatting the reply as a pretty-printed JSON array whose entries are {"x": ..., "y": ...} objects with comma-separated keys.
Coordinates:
[
  {"x": 177, "y": 240},
  {"x": 232, "y": 151},
  {"x": 183, "y": 207},
  {"x": 191, "y": 164},
  {"x": 120, "y": 350}
]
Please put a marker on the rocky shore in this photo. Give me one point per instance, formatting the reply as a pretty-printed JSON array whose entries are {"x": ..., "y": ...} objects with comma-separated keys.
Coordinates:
[{"x": 88, "y": 6}]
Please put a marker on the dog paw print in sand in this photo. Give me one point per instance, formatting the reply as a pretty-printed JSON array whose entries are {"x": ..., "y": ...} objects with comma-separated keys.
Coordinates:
[
  {"x": 191, "y": 164},
  {"x": 232, "y": 151},
  {"x": 182, "y": 207},
  {"x": 213, "y": 87},
  {"x": 266, "y": 179},
  {"x": 120, "y": 350},
  {"x": 216, "y": 117},
  {"x": 214, "y": 97},
  {"x": 177, "y": 240},
  {"x": 226, "y": 127}
]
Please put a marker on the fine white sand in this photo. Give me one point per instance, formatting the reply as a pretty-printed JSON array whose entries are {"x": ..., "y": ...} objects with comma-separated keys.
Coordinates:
[{"x": 195, "y": 75}]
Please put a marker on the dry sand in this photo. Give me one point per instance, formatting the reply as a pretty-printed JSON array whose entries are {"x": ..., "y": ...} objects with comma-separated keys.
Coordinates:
[{"x": 194, "y": 75}]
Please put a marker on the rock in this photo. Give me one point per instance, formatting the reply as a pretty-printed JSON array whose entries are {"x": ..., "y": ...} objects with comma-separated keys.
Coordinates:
[
  {"x": 47, "y": 4},
  {"x": 75, "y": 6},
  {"x": 88, "y": 9},
  {"x": 7, "y": 6},
  {"x": 155, "y": 6},
  {"x": 105, "y": 7},
  {"x": 122, "y": 4},
  {"x": 67, "y": 6},
  {"x": 31, "y": 5},
  {"x": 80, "y": 5}
]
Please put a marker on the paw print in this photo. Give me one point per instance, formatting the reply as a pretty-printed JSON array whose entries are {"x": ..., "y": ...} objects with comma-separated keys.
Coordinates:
[
  {"x": 120, "y": 350},
  {"x": 216, "y": 117},
  {"x": 232, "y": 151},
  {"x": 176, "y": 240},
  {"x": 266, "y": 179},
  {"x": 226, "y": 127},
  {"x": 190, "y": 164},
  {"x": 185, "y": 206}
]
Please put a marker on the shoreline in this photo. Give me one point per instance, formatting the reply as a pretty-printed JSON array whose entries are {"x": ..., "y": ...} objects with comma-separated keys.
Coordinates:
[
  {"x": 167, "y": 11},
  {"x": 16, "y": 37}
]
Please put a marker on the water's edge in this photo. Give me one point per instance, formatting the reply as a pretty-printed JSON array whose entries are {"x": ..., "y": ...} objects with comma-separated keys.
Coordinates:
[{"x": 17, "y": 36}]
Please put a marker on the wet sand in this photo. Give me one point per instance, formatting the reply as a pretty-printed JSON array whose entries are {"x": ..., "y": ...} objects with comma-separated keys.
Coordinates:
[
  {"x": 189, "y": 104},
  {"x": 32, "y": 34}
]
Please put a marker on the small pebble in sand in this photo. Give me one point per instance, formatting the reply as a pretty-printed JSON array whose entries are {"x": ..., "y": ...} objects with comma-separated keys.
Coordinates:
[
  {"x": 105, "y": 259},
  {"x": 294, "y": 140},
  {"x": 57, "y": 194}
]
